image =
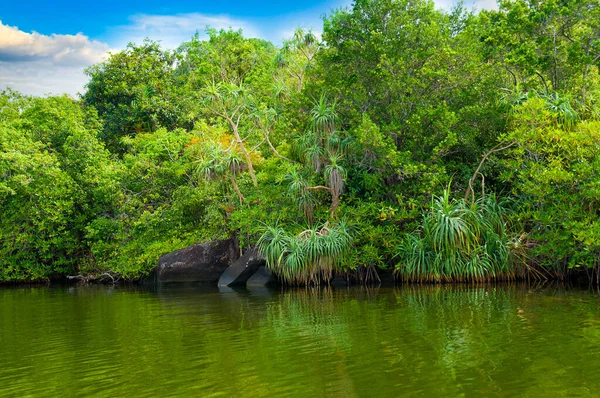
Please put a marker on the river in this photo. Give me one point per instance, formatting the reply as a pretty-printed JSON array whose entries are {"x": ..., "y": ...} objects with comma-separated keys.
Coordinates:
[{"x": 451, "y": 341}]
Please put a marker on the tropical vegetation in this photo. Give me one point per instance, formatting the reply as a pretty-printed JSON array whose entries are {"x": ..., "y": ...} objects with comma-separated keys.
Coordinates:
[{"x": 440, "y": 146}]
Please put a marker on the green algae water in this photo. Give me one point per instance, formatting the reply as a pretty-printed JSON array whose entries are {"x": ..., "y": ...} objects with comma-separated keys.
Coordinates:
[{"x": 195, "y": 341}]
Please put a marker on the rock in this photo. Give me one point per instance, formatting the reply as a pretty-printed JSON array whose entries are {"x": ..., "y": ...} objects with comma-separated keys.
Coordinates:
[
  {"x": 240, "y": 271},
  {"x": 262, "y": 277},
  {"x": 339, "y": 281},
  {"x": 203, "y": 263}
]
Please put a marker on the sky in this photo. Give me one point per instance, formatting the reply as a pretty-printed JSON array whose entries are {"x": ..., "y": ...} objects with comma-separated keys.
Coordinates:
[{"x": 46, "y": 45}]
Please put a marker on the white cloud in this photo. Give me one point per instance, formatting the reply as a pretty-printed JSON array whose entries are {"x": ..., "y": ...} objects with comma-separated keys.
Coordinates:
[
  {"x": 485, "y": 4},
  {"x": 172, "y": 30},
  {"x": 39, "y": 64},
  {"x": 476, "y": 5},
  {"x": 60, "y": 49}
]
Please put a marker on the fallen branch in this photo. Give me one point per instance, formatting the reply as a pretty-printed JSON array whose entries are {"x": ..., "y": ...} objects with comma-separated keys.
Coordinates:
[{"x": 319, "y": 187}]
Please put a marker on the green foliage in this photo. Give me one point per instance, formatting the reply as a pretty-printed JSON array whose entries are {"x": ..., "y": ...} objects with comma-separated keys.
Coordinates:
[
  {"x": 134, "y": 92},
  {"x": 308, "y": 257},
  {"x": 55, "y": 176},
  {"x": 162, "y": 206},
  {"x": 398, "y": 100},
  {"x": 553, "y": 171},
  {"x": 458, "y": 242}
]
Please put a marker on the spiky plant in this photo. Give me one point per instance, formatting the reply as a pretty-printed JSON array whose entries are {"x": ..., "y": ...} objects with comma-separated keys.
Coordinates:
[
  {"x": 298, "y": 190},
  {"x": 223, "y": 165},
  {"x": 323, "y": 115},
  {"x": 308, "y": 257},
  {"x": 458, "y": 241},
  {"x": 561, "y": 107},
  {"x": 335, "y": 174}
]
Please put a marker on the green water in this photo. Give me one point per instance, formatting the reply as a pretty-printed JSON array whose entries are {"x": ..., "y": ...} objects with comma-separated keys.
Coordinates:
[{"x": 409, "y": 341}]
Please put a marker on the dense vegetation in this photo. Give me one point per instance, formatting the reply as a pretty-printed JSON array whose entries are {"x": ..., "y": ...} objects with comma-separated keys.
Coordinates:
[{"x": 447, "y": 146}]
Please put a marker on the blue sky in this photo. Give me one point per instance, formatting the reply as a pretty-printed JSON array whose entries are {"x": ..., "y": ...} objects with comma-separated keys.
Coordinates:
[
  {"x": 106, "y": 20},
  {"x": 96, "y": 19},
  {"x": 45, "y": 45}
]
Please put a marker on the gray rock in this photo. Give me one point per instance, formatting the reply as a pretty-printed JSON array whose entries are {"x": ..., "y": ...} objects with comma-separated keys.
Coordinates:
[
  {"x": 240, "y": 271},
  {"x": 201, "y": 263},
  {"x": 262, "y": 277}
]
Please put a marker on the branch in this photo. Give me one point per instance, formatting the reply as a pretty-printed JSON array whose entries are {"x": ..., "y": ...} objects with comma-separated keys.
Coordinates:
[
  {"x": 257, "y": 146},
  {"x": 319, "y": 187},
  {"x": 495, "y": 149}
]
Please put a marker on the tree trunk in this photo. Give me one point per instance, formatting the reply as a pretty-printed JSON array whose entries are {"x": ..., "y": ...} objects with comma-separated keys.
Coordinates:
[
  {"x": 244, "y": 151},
  {"x": 237, "y": 189}
]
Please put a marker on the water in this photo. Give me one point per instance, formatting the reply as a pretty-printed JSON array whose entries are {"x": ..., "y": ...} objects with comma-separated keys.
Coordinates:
[{"x": 409, "y": 341}]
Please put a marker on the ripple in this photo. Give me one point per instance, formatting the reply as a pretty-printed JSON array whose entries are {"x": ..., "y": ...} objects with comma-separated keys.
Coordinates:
[{"x": 434, "y": 341}]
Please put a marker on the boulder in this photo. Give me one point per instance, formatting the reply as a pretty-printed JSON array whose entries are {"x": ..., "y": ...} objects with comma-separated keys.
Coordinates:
[
  {"x": 240, "y": 271},
  {"x": 200, "y": 263},
  {"x": 261, "y": 278}
]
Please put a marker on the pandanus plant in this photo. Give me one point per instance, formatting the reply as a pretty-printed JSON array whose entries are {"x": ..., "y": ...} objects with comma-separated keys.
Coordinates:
[
  {"x": 223, "y": 165},
  {"x": 321, "y": 148},
  {"x": 232, "y": 103},
  {"x": 308, "y": 257},
  {"x": 335, "y": 175},
  {"x": 297, "y": 55},
  {"x": 300, "y": 193},
  {"x": 458, "y": 241}
]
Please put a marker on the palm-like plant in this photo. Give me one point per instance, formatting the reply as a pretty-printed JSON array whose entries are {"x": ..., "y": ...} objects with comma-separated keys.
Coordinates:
[
  {"x": 458, "y": 241},
  {"x": 222, "y": 165},
  {"x": 297, "y": 54},
  {"x": 322, "y": 140},
  {"x": 298, "y": 190},
  {"x": 308, "y": 257},
  {"x": 313, "y": 155},
  {"x": 231, "y": 102},
  {"x": 335, "y": 174},
  {"x": 323, "y": 116},
  {"x": 561, "y": 106}
]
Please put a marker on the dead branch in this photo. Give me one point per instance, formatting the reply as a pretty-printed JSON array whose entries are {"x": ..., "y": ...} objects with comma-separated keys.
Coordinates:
[{"x": 470, "y": 190}]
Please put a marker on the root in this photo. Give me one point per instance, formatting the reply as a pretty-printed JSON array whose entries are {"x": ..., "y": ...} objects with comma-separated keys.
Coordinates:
[{"x": 107, "y": 277}]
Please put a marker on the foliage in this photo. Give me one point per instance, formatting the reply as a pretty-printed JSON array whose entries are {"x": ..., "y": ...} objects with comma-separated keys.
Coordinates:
[
  {"x": 133, "y": 92},
  {"x": 310, "y": 256},
  {"x": 276, "y": 145},
  {"x": 553, "y": 172},
  {"x": 55, "y": 176},
  {"x": 458, "y": 242}
]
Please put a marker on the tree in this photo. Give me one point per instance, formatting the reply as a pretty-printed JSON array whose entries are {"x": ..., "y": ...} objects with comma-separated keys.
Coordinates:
[
  {"x": 298, "y": 54},
  {"x": 135, "y": 91},
  {"x": 231, "y": 102},
  {"x": 55, "y": 177},
  {"x": 552, "y": 45}
]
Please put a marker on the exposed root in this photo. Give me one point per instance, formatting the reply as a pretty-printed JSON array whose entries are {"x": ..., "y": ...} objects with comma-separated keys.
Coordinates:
[{"x": 106, "y": 277}]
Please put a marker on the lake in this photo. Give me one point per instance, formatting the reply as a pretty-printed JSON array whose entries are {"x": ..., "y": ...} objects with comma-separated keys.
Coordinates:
[{"x": 453, "y": 341}]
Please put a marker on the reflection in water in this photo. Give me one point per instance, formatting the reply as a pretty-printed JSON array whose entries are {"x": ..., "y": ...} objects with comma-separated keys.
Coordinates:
[{"x": 413, "y": 340}]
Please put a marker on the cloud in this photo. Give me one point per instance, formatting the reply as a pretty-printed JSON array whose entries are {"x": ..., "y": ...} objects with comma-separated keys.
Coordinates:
[
  {"x": 476, "y": 5},
  {"x": 40, "y": 64},
  {"x": 172, "y": 30},
  {"x": 485, "y": 5},
  {"x": 16, "y": 45}
]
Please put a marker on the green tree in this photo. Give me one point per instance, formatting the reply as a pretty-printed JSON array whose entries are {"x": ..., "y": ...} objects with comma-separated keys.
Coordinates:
[{"x": 135, "y": 91}]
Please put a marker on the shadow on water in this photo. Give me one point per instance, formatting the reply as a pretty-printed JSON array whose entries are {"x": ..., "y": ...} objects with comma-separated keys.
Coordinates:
[{"x": 449, "y": 340}]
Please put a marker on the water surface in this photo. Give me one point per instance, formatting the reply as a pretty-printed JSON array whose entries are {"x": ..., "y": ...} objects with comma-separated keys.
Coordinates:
[{"x": 197, "y": 341}]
